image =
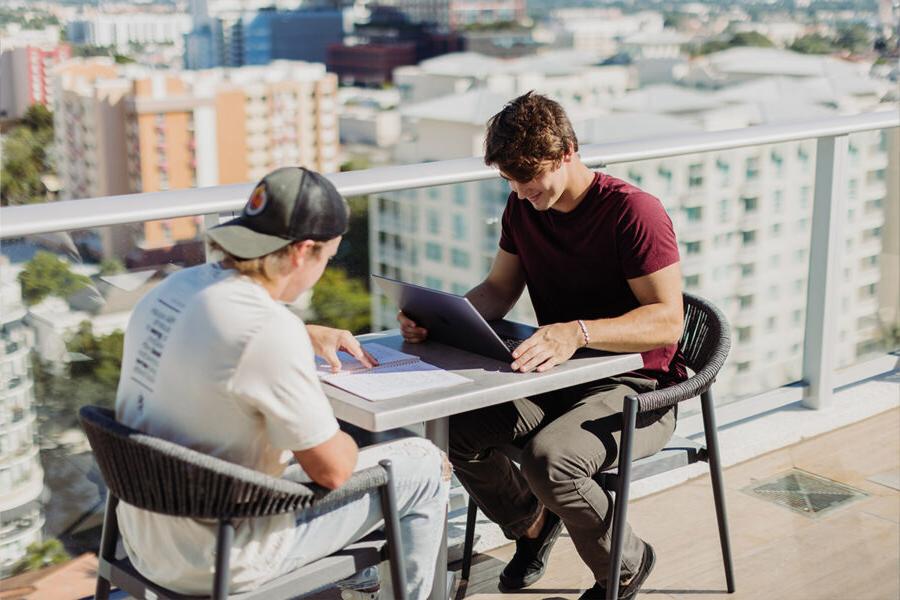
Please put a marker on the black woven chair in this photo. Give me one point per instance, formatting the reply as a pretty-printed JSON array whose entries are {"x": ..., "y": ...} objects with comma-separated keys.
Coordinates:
[
  {"x": 704, "y": 344},
  {"x": 160, "y": 476}
]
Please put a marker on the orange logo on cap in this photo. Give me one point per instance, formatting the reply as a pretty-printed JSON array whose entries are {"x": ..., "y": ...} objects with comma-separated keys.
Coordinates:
[{"x": 257, "y": 201}]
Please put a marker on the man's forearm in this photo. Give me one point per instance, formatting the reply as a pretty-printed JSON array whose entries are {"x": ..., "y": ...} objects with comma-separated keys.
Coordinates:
[
  {"x": 644, "y": 328},
  {"x": 491, "y": 302}
]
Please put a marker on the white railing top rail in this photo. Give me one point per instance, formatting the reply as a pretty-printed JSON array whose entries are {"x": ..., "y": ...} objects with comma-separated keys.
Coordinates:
[{"x": 17, "y": 221}]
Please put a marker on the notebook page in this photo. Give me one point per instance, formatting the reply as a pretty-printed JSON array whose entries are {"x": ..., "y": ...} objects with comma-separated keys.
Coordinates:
[
  {"x": 393, "y": 381},
  {"x": 385, "y": 356}
]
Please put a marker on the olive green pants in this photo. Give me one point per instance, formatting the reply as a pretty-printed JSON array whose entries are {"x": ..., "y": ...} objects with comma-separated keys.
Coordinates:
[{"x": 566, "y": 437}]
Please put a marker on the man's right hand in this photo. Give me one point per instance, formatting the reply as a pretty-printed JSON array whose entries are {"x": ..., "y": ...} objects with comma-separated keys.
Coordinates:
[{"x": 410, "y": 331}]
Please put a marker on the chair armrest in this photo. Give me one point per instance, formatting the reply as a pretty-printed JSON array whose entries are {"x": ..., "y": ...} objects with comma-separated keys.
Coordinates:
[
  {"x": 361, "y": 483},
  {"x": 690, "y": 388}
]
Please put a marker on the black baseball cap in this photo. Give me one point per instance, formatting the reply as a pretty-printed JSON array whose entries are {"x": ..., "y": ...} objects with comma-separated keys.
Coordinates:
[{"x": 287, "y": 205}]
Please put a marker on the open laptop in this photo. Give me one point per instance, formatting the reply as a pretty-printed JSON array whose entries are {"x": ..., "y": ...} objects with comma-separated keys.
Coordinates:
[{"x": 453, "y": 320}]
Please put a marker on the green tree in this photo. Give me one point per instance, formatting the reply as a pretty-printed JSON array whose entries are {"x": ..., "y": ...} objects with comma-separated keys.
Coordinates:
[
  {"x": 855, "y": 38},
  {"x": 41, "y": 554},
  {"x": 104, "y": 354},
  {"x": 38, "y": 117},
  {"x": 353, "y": 253},
  {"x": 750, "y": 38},
  {"x": 25, "y": 158},
  {"x": 813, "y": 43},
  {"x": 21, "y": 173},
  {"x": 47, "y": 275},
  {"x": 341, "y": 302},
  {"x": 111, "y": 266}
]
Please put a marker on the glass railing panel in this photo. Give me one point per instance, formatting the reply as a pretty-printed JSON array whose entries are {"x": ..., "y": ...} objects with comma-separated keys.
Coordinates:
[
  {"x": 742, "y": 218},
  {"x": 66, "y": 298},
  {"x": 443, "y": 237},
  {"x": 869, "y": 280}
]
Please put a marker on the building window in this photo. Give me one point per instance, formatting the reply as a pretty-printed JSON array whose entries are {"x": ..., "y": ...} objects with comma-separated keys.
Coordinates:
[
  {"x": 459, "y": 227},
  {"x": 434, "y": 252},
  {"x": 775, "y": 230},
  {"x": 750, "y": 204},
  {"x": 434, "y": 283},
  {"x": 724, "y": 169},
  {"x": 778, "y": 161},
  {"x": 635, "y": 177},
  {"x": 692, "y": 248},
  {"x": 752, "y": 168},
  {"x": 745, "y": 302},
  {"x": 459, "y": 258},
  {"x": 694, "y": 214},
  {"x": 459, "y": 194},
  {"x": 692, "y": 281},
  {"x": 744, "y": 334},
  {"x": 748, "y": 238},
  {"x": 695, "y": 175},
  {"x": 748, "y": 270},
  {"x": 778, "y": 201},
  {"x": 460, "y": 289},
  {"x": 434, "y": 221}
]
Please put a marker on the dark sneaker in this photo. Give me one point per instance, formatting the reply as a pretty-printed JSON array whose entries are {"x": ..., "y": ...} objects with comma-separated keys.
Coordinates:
[
  {"x": 626, "y": 592},
  {"x": 530, "y": 560}
]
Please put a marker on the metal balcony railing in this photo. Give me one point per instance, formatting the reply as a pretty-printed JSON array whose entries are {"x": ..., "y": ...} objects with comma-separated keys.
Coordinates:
[{"x": 829, "y": 206}]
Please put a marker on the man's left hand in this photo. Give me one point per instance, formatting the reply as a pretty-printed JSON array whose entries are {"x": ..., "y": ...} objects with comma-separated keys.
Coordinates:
[
  {"x": 326, "y": 342},
  {"x": 549, "y": 346}
]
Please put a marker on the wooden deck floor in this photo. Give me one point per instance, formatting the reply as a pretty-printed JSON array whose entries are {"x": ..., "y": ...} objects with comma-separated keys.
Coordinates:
[{"x": 851, "y": 552}]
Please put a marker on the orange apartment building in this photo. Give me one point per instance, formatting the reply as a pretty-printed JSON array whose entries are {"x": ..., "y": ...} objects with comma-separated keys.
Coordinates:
[{"x": 177, "y": 130}]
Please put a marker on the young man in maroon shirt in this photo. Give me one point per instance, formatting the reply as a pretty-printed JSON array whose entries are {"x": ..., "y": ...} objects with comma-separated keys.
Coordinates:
[{"x": 600, "y": 261}]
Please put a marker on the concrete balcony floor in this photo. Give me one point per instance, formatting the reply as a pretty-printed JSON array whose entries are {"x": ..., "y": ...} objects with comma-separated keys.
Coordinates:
[{"x": 850, "y": 552}]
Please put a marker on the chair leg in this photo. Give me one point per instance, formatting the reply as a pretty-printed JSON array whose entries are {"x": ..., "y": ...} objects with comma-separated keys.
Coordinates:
[
  {"x": 108, "y": 540},
  {"x": 620, "y": 508},
  {"x": 222, "y": 576},
  {"x": 469, "y": 542},
  {"x": 715, "y": 471},
  {"x": 392, "y": 531}
]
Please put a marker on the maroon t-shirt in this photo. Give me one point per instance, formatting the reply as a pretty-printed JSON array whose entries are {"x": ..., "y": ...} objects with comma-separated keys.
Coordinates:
[{"x": 577, "y": 263}]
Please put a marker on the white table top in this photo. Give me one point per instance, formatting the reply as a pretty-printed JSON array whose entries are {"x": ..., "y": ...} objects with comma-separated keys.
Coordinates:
[{"x": 493, "y": 382}]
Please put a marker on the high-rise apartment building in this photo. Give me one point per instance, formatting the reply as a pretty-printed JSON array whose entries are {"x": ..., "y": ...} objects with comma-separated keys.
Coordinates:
[
  {"x": 125, "y": 130},
  {"x": 454, "y": 14},
  {"x": 25, "y": 72},
  {"x": 742, "y": 216},
  {"x": 21, "y": 475}
]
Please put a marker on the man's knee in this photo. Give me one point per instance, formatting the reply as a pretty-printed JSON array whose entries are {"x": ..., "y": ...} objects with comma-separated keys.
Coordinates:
[{"x": 547, "y": 461}]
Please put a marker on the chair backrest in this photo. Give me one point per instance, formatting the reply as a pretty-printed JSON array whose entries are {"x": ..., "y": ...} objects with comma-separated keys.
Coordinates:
[
  {"x": 161, "y": 476},
  {"x": 706, "y": 337},
  {"x": 705, "y": 343}
]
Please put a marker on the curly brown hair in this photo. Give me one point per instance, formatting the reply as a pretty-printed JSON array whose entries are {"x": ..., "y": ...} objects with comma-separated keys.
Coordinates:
[{"x": 529, "y": 131}]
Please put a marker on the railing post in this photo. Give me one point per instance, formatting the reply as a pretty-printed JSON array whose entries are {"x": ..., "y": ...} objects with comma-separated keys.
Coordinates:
[{"x": 823, "y": 284}]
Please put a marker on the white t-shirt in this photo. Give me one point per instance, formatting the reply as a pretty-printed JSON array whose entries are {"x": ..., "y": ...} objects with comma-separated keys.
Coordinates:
[{"x": 212, "y": 362}]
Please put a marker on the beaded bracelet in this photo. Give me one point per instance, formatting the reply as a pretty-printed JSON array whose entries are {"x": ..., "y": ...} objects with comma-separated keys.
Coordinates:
[{"x": 584, "y": 332}]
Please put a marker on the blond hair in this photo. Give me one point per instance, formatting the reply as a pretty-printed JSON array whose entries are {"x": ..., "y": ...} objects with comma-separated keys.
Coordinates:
[{"x": 268, "y": 267}]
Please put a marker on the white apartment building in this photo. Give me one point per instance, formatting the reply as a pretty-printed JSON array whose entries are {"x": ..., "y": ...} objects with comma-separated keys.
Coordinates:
[
  {"x": 596, "y": 30},
  {"x": 21, "y": 475},
  {"x": 571, "y": 76},
  {"x": 742, "y": 216},
  {"x": 122, "y": 30},
  {"x": 453, "y": 14}
]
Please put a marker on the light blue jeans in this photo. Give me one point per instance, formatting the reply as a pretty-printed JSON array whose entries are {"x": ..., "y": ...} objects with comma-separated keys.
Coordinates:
[{"x": 421, "y": 501}]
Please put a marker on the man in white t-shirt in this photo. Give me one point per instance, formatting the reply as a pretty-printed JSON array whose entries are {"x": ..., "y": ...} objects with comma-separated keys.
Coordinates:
[{"x": 213, "y": 360}]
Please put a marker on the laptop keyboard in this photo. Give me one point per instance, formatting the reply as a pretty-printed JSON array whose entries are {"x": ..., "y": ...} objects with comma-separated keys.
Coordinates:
[{"x": 511, "y": 343}]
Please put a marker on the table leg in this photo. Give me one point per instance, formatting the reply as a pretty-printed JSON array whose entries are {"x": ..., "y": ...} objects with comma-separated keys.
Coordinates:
[{"x": 438, "y": 431}]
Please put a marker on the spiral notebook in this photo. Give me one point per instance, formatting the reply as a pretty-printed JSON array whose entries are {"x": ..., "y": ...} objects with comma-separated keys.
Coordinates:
[{"x": 397, "y": 374}]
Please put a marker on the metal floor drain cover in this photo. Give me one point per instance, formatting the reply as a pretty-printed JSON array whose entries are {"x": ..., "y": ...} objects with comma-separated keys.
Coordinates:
[{"x": 804, "y": 492}]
